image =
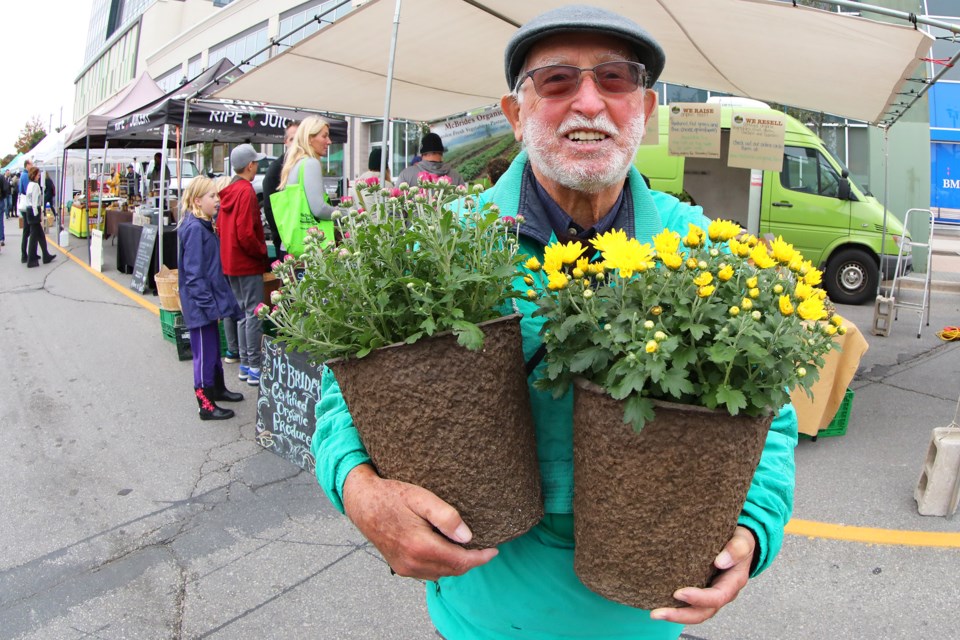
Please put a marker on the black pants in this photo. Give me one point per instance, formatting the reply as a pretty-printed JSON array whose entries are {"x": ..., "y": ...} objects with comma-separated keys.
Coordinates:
[{"x": 36, "y": 237}]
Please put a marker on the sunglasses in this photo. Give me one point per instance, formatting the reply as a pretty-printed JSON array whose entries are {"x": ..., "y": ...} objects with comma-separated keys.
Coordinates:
[{"x": 562, "y": 80}]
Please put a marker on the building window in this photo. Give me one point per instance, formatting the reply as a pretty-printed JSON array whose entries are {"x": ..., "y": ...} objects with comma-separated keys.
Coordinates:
[
  {"x": 242, "y": 47},
  {"x": 301, "y": 15},
  {"x": 193, "y": 67}
]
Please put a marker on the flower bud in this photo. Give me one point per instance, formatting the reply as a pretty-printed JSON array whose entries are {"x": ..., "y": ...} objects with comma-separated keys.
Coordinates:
[
  {"x": 276, "y": 296},
  {"x": 531, "y": 294},
  {"x": 656, "y": 311},
  {"x": 588, "y": 294},
  {"x": 734, "y": 311},
  {"x": 801, "y": 372},
  {"x": 648, "y": 324},
  {"x": 660, "y": 336},
  {"x": 756, "y": 315},
  {"x": 651, "y": 346}
]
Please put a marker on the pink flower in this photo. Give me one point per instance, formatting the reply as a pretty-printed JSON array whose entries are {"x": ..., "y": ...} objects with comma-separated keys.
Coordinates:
[
  {"x": 372, "y": 181},
  {"x": 261, "y": 310},
  {"x": 509, "y": 220},
  {"x": 426, "y": 177},
  {"x": 346, "y": 201},
  {"x": 288, "y": 258},
  {"x": 346, "y": 234},
  {"x": 444, "y": 180},
  {"x": 275, "y": 264},
  {"x": 361, "y": 210},
  {"x": 395, "y": 193}
]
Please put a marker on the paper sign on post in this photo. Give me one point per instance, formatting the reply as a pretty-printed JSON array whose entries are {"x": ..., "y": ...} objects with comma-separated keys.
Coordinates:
[
  {"x": 756, "y": 140},
  {"x": 694, "y": 130}
]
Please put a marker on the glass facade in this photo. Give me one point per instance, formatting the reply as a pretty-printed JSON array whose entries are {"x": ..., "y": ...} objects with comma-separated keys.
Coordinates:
[
  {"x": 112, "y": 71},
  {"x": 241, "y": 47},
  {"x": 300, "y": 15}
]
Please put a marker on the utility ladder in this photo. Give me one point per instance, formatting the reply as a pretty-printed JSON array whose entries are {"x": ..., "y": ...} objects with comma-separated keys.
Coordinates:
[{"x": 906, "y": 245}]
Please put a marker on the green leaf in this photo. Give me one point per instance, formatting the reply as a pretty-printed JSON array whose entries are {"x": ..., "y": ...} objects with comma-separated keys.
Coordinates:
[
  {"x": 589, "y": 358},
  {"x": 732, "y": 398},
  {"x": 721, "y": 353},
  {"x": 468, "y": 334},
  {"x": 637, "y": 411},
  {"x": 675, "y": 383}
]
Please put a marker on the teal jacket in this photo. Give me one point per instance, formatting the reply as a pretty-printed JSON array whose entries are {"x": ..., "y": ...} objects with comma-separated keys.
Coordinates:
[{"x": 454, "y": 607}]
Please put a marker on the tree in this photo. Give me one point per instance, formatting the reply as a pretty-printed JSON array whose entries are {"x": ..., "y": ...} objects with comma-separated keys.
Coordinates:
[
  {"x": 5, "y": 160},
  {"x": 32, "y": 133}
]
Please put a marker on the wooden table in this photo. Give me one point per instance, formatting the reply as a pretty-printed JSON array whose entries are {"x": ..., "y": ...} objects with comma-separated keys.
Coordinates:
[{"x": 814, "y": 415}]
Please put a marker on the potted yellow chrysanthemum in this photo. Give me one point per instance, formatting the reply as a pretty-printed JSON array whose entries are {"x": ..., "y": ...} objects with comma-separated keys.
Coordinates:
[{"x": 680, "y": 353}]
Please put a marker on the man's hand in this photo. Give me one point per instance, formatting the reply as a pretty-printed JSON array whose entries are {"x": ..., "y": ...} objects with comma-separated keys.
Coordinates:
[
  {"x": 734, "y": 563},
  {"x": 401, "y": 520}
]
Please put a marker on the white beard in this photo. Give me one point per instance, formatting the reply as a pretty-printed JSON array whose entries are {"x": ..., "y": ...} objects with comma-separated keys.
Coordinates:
[{"x": 589, "y": 173}]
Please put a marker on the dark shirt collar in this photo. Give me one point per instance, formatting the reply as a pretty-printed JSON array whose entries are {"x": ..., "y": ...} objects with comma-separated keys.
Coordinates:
[{"x": 543, "y": 216}]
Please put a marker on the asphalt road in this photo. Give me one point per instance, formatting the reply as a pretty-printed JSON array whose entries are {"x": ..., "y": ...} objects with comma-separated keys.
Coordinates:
[{"x": 124, "y": 516}]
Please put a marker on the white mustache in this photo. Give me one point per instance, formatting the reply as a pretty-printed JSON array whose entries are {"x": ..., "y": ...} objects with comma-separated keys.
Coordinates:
[{"x": 577, "y": 122}]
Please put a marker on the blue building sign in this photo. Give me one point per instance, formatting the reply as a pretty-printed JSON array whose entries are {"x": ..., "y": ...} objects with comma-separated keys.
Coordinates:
[{"x": 945, "y": 175}]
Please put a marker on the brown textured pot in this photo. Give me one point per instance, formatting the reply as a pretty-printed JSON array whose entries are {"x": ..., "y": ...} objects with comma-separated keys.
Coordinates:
[
  {"x": 454, "y": 421},
  {"x": 652, "y": 510}
]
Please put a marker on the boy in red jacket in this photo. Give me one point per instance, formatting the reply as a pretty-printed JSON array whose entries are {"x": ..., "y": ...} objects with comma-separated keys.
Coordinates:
[{"x": 243, "y": 252}]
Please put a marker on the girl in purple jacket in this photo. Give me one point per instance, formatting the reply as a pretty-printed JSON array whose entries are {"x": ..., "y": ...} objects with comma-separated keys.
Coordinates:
[{"x": 205, "y": 296}]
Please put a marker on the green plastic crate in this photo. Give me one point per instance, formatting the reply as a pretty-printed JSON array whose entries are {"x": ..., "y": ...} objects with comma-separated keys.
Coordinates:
[
  {"x": 170, "y": 321},
  {"x": 223, "y": 338},
  {"x": 837, "y": 426}
]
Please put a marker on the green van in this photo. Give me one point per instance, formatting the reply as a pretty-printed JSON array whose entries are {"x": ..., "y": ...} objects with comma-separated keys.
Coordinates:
[{"x": 811, "y": 202}]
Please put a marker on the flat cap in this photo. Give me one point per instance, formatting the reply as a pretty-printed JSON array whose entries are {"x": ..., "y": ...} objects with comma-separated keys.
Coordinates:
[{"x": 578, "y": 18}]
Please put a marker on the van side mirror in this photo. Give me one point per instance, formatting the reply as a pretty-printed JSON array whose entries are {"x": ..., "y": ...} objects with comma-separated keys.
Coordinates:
[{"x": 843, "y": 189}]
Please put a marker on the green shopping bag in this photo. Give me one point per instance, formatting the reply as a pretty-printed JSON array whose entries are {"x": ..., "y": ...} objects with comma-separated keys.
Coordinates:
[{"x": 291, "y": 212}]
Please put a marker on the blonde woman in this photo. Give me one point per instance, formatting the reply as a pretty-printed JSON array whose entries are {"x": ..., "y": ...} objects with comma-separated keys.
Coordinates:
[
  {"x": 302, "y": 163},
  {"x": 205, "y": 296}
]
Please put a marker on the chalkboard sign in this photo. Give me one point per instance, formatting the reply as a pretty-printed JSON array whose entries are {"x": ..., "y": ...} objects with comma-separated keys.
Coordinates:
[
  {"x": 141, "y": 268},
  {"x": 286, "y": 408}
]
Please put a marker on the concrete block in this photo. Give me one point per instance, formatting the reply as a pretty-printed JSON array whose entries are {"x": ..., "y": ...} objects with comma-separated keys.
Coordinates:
[
  {"x": 937, "y": 491},
  {"x": 883, "y": 309}
]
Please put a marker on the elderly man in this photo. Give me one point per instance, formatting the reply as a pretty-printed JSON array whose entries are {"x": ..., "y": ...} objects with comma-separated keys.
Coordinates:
[{"x": 578, "y": 78}]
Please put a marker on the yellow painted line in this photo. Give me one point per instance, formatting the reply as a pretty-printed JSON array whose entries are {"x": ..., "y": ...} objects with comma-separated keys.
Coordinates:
[
  {"x": 133, "y": 295},
  {"x": 812, "y": 529}
]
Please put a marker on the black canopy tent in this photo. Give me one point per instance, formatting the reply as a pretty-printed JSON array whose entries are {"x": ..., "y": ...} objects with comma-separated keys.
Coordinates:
[{"x": 201, "y": 119}]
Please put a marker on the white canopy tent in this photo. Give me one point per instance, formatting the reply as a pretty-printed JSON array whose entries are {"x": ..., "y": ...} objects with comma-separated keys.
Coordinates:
[{"x": 449, "y": 56}]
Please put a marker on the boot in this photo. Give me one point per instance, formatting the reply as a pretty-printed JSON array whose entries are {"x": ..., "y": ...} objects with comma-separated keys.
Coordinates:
[
  {"x": 219, "y": 389},
  {"x": 208, "y": 409}
]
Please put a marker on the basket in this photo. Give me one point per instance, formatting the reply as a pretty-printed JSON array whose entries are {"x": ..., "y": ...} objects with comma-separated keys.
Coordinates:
[
  {"x": 168, "y": 289},
  {"x": 837, "y": 426},
  {"x": 170, "y": 323}
]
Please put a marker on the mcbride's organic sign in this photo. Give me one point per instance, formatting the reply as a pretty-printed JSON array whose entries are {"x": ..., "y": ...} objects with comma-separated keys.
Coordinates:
[{"x": 286, "y": 408}]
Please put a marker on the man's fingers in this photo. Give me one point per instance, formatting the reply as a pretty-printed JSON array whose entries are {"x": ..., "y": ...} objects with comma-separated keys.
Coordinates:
[
  {"x": 438, "y": 513},
  {"x": 738, "y": 548}
]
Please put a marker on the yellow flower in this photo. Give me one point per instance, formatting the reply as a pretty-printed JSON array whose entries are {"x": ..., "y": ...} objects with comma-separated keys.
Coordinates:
[
  {"x": 761, "y": 258},
  {"x": 836, "y": 320},
  {"x": 703, "y": 279},
  {"x": 612, "y": 238},
  {"x": 811, "y": 309},
  {"x": 796, "y": 263},
  {"x": 583, "y": 264},
  {"x": 628, "y": 257},
  {"x": 752, "y": 282},
  {"x": 778, "y": 289},
  {"x": 703, "y": 292},
  {"x": 694, "y": 237},
  {"x": 531, "y": 294},
  {"x": 651, "y": 346},
  {"x": 577, "y": 272},
  {"x": 532, "y": 264},
  {"x": 557, "y": 280},
  {"x": 725, "y": 273},
  {"x": 746, "y": 303},
  {"x": 595, "y": 267},
  {"x": 783, "y": 252},
  {"x": 691, "y": 263},
  {"x": 786, "y": 307},
  {"x": 802, "y": 291},
  {"x": 672, "y": 260},
  {"x": 813, "y": 277},
  {"x": 829, "y": 329},
  {"x": 734, "y": 310},
  {"x": 558, "y": 254},
  {"x": 738, "y": 248},
  {"x": 666, "y": 243},
  {"x": 754, "y": 293},
  {"x": 528, "y": 280},
  {"x": 723, "y": 230},
  {"x": 750, "y": 240},
  {"x": 656, "y": 311}
]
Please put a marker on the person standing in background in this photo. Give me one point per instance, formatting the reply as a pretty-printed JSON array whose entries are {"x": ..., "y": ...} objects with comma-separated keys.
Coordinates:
[
  {"x": 271, "y": 182},
  {"x": 205, "y": 296},
  {"x": 431, "y": 151},
  {"x": 243, "y": 254},
  {"x": 33, "y": 216},
  {"x": 303, "y": 157},
  {"x": 24, "y": 180},
  {"x": 232, "y": 354},
  {"x": 373, "y": 171}
]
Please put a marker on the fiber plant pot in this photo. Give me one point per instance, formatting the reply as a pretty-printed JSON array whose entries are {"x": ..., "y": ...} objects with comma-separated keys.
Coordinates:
[
  {"x": 454, "y": 421},
  {"x": 653, "y": 509}
]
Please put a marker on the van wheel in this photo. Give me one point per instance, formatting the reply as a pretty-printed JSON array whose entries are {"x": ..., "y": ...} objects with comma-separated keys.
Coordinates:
[{"x": 852, "y": 277}]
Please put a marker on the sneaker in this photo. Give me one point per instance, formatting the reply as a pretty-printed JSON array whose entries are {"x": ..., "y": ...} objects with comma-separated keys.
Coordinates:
[
  {"x": 230, "y": 356},
  {"x": 244, "y": 372},
  {"x": 253, "y": 376}
]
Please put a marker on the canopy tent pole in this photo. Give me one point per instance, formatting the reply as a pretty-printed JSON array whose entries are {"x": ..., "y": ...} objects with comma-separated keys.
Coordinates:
[
  {"x": 163, "y": 195},
  {"x": 63, "y": 200},
  {"x": 86, "y": 190},
  {"x": 183, "y": 145},
  {"x": 386, "y": 101},
  {"x": 886, "y": 184},
  {"x": 106, "y": 145}
]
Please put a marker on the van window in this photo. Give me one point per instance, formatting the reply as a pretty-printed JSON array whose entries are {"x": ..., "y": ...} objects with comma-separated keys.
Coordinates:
[{"x": 808, "y": 171}]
